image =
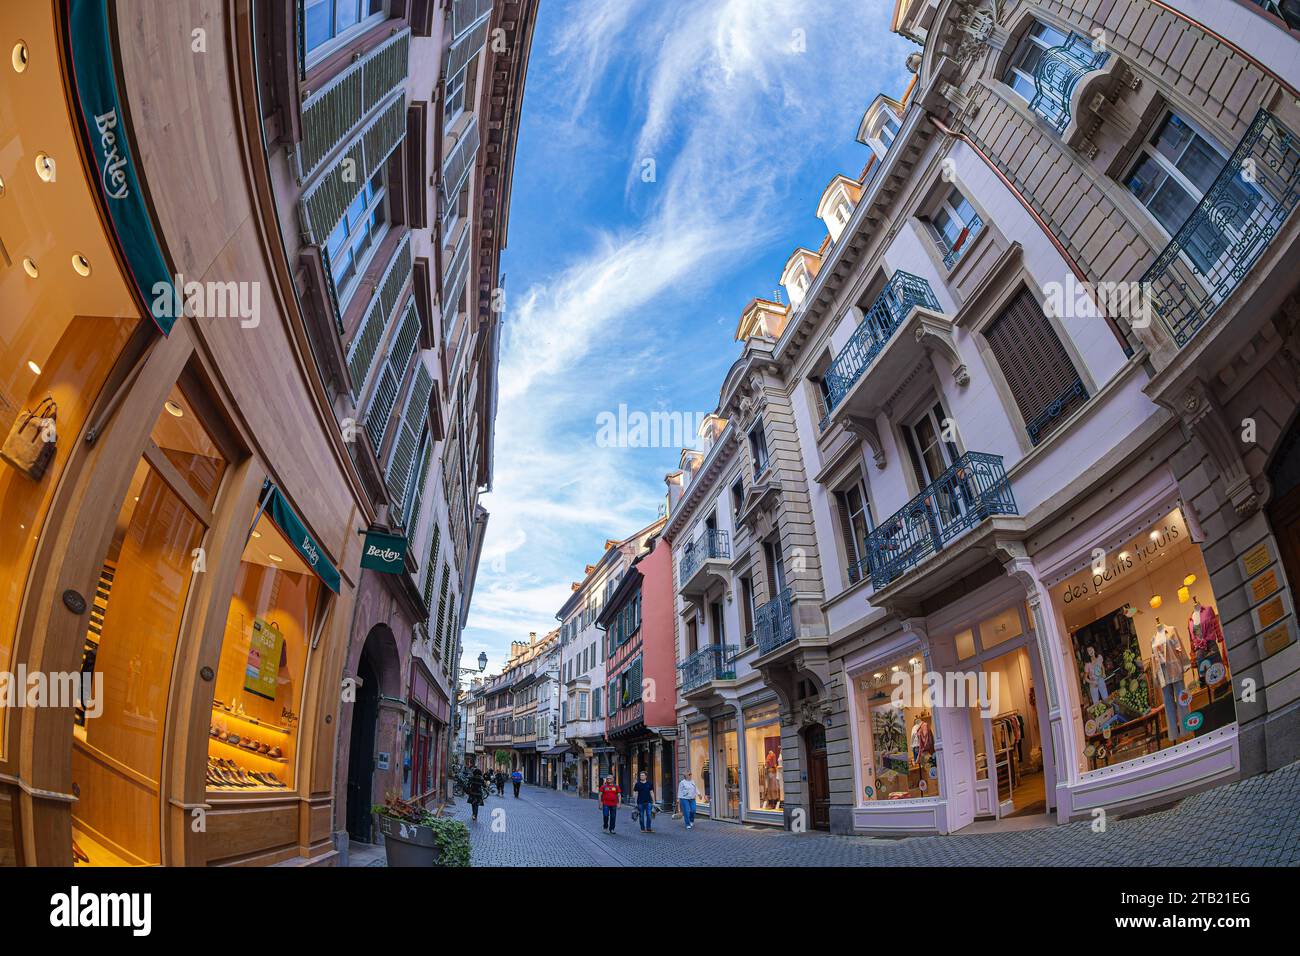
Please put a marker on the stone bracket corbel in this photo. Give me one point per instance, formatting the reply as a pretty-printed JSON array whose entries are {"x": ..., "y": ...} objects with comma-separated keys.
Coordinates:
[
  {"x": 866, "y": 431},
  {"x": 935, "y": 335},
  {"x": 1205, "y": 420}
]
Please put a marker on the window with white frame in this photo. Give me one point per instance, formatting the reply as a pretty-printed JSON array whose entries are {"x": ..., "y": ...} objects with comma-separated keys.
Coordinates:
[
  {"x": 1175, "y": 167},
  {"x": 855, "y": 525},
  {"x": 353, "y": 240},
  {"x": 953, "y": 223},
  {"x": 327, "y": 24},
  {"x": 460, "y": 93},
  {"x": 1019, "y": 74}
]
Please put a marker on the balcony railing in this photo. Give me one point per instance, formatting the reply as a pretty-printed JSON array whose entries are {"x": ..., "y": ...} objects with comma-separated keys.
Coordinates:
[
  {"x": 1071, "y": 398},
  {"x": 715, "y": 662},
  {"x": 774, "y": 623},
  {"x": 971, "y": 490},
  {"x": 712, "y": 544},
  {"x": 900, "y": 295},
  {"x": 968, "y": 233},
  {"x": 1246, "y": 206},
  {"x": 1059, "y": 71}
]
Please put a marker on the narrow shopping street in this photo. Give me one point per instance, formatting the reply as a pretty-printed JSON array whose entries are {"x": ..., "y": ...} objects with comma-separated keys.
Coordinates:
[{"x": 1244, "y": 824}]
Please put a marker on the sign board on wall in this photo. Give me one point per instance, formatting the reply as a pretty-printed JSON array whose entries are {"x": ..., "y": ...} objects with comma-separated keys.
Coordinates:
[{"x": 265, "y": 647}]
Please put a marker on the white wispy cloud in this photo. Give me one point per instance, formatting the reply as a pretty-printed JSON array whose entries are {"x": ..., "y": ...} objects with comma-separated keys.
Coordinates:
[{"x": 730, "y": 99}]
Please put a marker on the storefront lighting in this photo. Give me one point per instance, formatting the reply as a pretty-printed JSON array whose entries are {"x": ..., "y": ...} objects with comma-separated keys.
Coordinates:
[
  {"x": 1189, "y": 580},
  {"x": 1156, "y": 601},
  {"x": 19, "y": 57},
  {"x": 1123, "y": 555},
  {"x": 30, "y": 268},
  {"x": 1184, "y": 594},
  {"x": 257, "y": 534},
  {"x": 45, "y": 167},
  {"x": 1154, "y": 535},
  {"x": 2, "y": 185},
  {"x": 80, "y": 264},
  {"x": 275, "y": 557},
  {"x": 36, "y": 369},
  {"x": 173, "y": 409}
]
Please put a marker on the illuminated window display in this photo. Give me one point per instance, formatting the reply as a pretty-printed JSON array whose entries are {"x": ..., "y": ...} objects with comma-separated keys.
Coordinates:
[
  {"x": 1148, "y": 648},
  {"x": 133, "y": 625},
  {"x": 763, "y": 758},
  {"x": 728, "y": 754},
  {"x": 49, "y": 369},
  {"x": 698, "y": 754},
  {"x": 260, "y": 681},
  {"x": 896, "y": 734}
]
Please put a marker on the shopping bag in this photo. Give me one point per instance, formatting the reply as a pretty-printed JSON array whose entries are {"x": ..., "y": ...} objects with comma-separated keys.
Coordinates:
[{"x": 32, "y": 440}]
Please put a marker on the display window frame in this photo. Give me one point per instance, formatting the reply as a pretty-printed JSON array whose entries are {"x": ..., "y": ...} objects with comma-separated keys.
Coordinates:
[
  {"x": 1129, "y": 568},
  {"x": 894, "y": 655},
  {"x": 188, "y": 394},
  {"x": 758, "y": 718},
  {"x": 699, "y": 739}
]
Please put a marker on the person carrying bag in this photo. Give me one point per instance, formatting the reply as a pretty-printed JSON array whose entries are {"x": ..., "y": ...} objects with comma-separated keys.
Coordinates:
[{"x": 32, "y": 440}]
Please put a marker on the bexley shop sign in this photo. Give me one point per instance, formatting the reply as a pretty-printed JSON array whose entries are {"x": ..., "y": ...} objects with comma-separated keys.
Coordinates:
[{"x": 384, "y": 552}]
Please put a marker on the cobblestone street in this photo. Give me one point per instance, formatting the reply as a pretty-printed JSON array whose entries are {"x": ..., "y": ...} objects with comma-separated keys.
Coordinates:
[{"x": 1253, "y": 823}]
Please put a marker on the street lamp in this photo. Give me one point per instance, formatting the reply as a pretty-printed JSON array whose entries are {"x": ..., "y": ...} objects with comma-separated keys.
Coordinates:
[{"x": 482, "y": 664}]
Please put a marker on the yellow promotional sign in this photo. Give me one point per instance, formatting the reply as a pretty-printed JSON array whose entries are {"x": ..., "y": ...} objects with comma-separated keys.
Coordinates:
[{"x": 264, "y": 649}]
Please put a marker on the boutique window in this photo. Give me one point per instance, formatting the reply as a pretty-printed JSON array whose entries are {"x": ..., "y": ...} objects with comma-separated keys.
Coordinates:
[
  {"x": 326, "y": 24},
  {"x": 953, "y": 223},
  {"x": 133, "y": 626},
  {"x": 698, "y": 755},
  {"x": 260, "y": 681},
  {"x": 352, "y": 242},
  {"x": 1176, "y": 166},
  {"x": 763, "y": 758},
  {"x": 896, "y": 732},
  {"x": 1149, "y": 651},
  {"x": 50, "y": 367}
]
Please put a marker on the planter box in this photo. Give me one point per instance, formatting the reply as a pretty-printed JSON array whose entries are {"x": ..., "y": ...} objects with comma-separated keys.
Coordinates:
[{"x": 408, "y": 844}]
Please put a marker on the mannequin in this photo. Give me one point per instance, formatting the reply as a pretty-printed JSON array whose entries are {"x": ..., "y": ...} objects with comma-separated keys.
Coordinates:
[
  {"x": 1171, "y": 662},
  {"x": 1094, "y": 672},
  {"x": 1207, "y": 640}
]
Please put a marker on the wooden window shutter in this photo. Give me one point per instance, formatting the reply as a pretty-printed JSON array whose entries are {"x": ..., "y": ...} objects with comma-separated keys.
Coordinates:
[
  {"x": 851, "y": 547},
  {"x": 1034, "y": 362}
]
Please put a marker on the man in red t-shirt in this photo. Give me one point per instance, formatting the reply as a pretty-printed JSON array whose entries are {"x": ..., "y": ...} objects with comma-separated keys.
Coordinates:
[{"x": 609, "y": 797}]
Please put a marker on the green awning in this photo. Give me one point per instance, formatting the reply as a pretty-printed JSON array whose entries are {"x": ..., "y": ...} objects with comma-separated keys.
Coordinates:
[
  {"x": 117, "y": 182},
  {"x": 384, "y": 552},
  {"x": 277, "y": 508}
]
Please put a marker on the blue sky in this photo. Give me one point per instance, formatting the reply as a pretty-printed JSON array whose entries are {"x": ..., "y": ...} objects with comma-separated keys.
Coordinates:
[{"x": 620, "y": 290}]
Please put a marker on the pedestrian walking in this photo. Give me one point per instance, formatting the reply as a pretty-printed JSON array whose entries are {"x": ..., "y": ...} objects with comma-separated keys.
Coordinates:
[
  {"x": 474, "y": 790},
  {"x": 516, "y": 778},
  {"x": 501, "y": 783},
  {"x": 609, "y": 797},
  {"x": 686, "y": 795},
  {"x": 645, "y": 802}
]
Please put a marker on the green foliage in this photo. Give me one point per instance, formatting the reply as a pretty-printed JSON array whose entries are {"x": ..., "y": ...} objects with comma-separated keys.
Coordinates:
[
  {"x": 453, "y": 841},
  {"x": 502, "y": 758}
]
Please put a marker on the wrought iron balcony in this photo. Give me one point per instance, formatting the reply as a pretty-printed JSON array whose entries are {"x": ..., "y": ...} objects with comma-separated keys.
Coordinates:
[
  {"x": 974, "y": 488},
  {"x": 712, "y": 544},
  {"x": 1041, "y": 426},
  {"x": 715, "y": 662},
  {"x": 971, "y": 230},
  {"x": 774, "y": 623},
  {"x": 1230, "y": 228},
  {"x": 901, "y": 294},
  {"x": 1059, "y": 71}
]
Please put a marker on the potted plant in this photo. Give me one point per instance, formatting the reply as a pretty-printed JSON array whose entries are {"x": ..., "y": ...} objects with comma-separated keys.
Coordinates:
[{"x": 416, "y": 836}]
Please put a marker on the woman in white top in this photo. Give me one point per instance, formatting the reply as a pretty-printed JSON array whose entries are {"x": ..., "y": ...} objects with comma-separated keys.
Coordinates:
[{"x": 686, "y": 794}]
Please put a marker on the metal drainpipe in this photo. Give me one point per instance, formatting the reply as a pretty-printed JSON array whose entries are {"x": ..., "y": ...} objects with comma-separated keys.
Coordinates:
[{"x": 1042, "y": 224}]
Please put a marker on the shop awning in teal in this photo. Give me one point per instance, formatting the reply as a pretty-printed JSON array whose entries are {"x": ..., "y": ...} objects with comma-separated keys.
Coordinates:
[
  {"x": 277, "y": 508},
  {"x": 384, "y": 552},
  {"x": 116, "y": 178}
]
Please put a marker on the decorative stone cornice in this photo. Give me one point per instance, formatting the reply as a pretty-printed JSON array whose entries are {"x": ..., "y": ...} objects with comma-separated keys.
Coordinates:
[{"x": 1204, "y": 418}]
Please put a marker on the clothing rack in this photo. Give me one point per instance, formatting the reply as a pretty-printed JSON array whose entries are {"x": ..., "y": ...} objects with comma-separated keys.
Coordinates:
[{"x": 1008, "y": 750}]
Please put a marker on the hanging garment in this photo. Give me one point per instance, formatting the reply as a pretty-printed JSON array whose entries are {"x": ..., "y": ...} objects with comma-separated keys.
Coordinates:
[
  {"x": 1206, "y": 632},
  {"x": 1169, "y": 656}
]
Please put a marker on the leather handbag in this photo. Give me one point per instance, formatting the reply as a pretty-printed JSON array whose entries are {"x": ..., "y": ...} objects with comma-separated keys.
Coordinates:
[{"x": 32, "y": 440}]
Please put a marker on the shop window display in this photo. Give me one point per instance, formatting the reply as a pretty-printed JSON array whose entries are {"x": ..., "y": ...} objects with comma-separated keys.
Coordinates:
[
  {"x": 896, "y": 734},
  {"x": 130, "y": 643},
  {"x": 698, "y": 755},
  {"x": 49, "y": 369},
  {"x": 259, "y": 688},
  {"x": 1148, "y": 647},
  {"x": 728, "y": 750},
  {"x": 763, "y": 758}
]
